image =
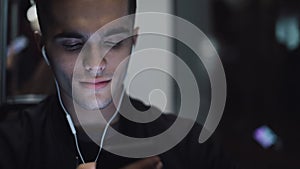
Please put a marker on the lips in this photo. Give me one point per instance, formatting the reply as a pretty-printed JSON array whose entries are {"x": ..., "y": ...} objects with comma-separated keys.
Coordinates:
[{"x": 96, "y": 84}]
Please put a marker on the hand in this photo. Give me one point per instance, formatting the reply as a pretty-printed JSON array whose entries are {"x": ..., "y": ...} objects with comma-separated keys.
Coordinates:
[
  {"x": 148, "y": 163},
  {"x": 87, "y": 166}
]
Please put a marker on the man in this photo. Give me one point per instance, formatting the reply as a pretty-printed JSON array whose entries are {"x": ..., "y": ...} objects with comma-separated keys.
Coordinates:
[{"x": 89, "y": 74}]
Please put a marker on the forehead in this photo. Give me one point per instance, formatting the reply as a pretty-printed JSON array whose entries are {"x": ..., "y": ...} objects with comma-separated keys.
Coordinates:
[{"x": 85, "y": 15}]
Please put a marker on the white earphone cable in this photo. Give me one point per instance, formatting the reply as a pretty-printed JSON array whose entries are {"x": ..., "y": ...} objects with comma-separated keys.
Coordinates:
[
  {"x": 69, "y": 119},
  {"x": 108, "y": 123},
  {"x": 73, "y": 127}
]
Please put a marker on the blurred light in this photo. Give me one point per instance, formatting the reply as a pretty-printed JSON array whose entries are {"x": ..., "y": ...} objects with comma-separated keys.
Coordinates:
[
  {"x": 17, "y": 45},
  {"x": 265, "y": 136},
  {"x": 287, "y": 32}
]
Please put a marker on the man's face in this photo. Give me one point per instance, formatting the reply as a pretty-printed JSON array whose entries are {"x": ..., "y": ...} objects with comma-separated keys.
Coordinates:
[{"x": 91, "y": 72}]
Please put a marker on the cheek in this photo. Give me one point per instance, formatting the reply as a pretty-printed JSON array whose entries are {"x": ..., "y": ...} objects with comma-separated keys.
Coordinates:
[
  {"x": 64, "y": 67},
  {"x": 118, "y": 61}
]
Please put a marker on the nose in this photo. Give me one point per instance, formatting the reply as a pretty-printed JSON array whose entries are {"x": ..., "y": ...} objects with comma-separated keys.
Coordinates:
[
  {"x": 94, "y": 64},
  {"x": 96, "y": 69}
]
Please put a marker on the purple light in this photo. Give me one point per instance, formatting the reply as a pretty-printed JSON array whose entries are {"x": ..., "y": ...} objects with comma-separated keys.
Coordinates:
[{"x": 265, "y": 136}]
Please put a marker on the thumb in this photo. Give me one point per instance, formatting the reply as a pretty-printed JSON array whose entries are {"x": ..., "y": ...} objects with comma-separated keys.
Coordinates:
[
  {"x": 148, "y": 163},
  {"x": 87, "y": 166}
]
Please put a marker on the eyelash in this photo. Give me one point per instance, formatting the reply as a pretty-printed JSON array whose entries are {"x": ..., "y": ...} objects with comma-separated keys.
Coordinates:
[
  {"x": 72, "y": 47},
  {"x": 113, "y": 45}
]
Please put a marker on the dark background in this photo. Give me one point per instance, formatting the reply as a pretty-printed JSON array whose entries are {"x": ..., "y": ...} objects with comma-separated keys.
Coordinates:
[{"x": 262, "y": 76}]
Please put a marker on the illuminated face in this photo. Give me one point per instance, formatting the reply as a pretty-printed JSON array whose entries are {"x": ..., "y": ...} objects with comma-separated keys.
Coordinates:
[{"x": 91, "y": 71}]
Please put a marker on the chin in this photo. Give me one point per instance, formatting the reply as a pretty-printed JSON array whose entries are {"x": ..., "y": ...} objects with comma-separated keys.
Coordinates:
[
  {"x": 104, "y": 104},
  {"x": 91, "y": 99},
  {"x": 92, "y": 102},
  {"x": 96, "y": 105}
]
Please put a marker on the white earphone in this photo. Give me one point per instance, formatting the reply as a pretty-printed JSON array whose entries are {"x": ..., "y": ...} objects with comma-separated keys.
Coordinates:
[{"x": 45, "y": 56}]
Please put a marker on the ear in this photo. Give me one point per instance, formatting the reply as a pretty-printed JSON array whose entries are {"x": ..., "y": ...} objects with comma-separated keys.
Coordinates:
[
  {"x": 135, "y": 35},
  {"x": 38, "y": 40}
]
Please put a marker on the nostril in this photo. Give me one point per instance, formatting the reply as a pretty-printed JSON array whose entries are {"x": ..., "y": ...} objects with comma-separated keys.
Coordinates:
[
  {"x": 102, "y": 68},
  {"x": 96, "y": 70},
  {"x": 95, "y": 67},
  {"x": 88, "y": 68}
]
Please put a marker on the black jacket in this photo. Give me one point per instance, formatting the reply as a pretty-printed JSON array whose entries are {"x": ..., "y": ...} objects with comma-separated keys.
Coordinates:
[{"x": 40, "y": 138}]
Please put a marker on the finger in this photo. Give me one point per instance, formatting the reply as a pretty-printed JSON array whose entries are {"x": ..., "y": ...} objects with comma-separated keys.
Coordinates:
[
  {"x": 87, "y": 166},
  {"x": 148, "y": 163},
  {"x": 159, "y": 165}
]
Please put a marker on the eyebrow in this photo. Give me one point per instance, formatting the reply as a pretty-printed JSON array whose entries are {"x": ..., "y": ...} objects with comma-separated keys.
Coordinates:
[
  {"x": 76, "y": 35},
  {"x": 115, "y": 31}
]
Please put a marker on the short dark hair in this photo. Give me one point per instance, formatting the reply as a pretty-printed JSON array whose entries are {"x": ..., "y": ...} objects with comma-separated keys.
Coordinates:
[
  {"x": 131, "y": 10},
  {"x": 40, "y": 5}
]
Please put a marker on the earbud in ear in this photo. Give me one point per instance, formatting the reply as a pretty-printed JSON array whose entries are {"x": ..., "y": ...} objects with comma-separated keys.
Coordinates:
[{"x": 45, "y": 56}]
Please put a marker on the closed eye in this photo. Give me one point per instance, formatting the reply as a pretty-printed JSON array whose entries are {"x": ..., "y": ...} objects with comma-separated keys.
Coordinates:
[
  {"x": 113, "y": 45},
  {"x": 72, "y": 46},
  {"x": 115, "y": 41}
]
